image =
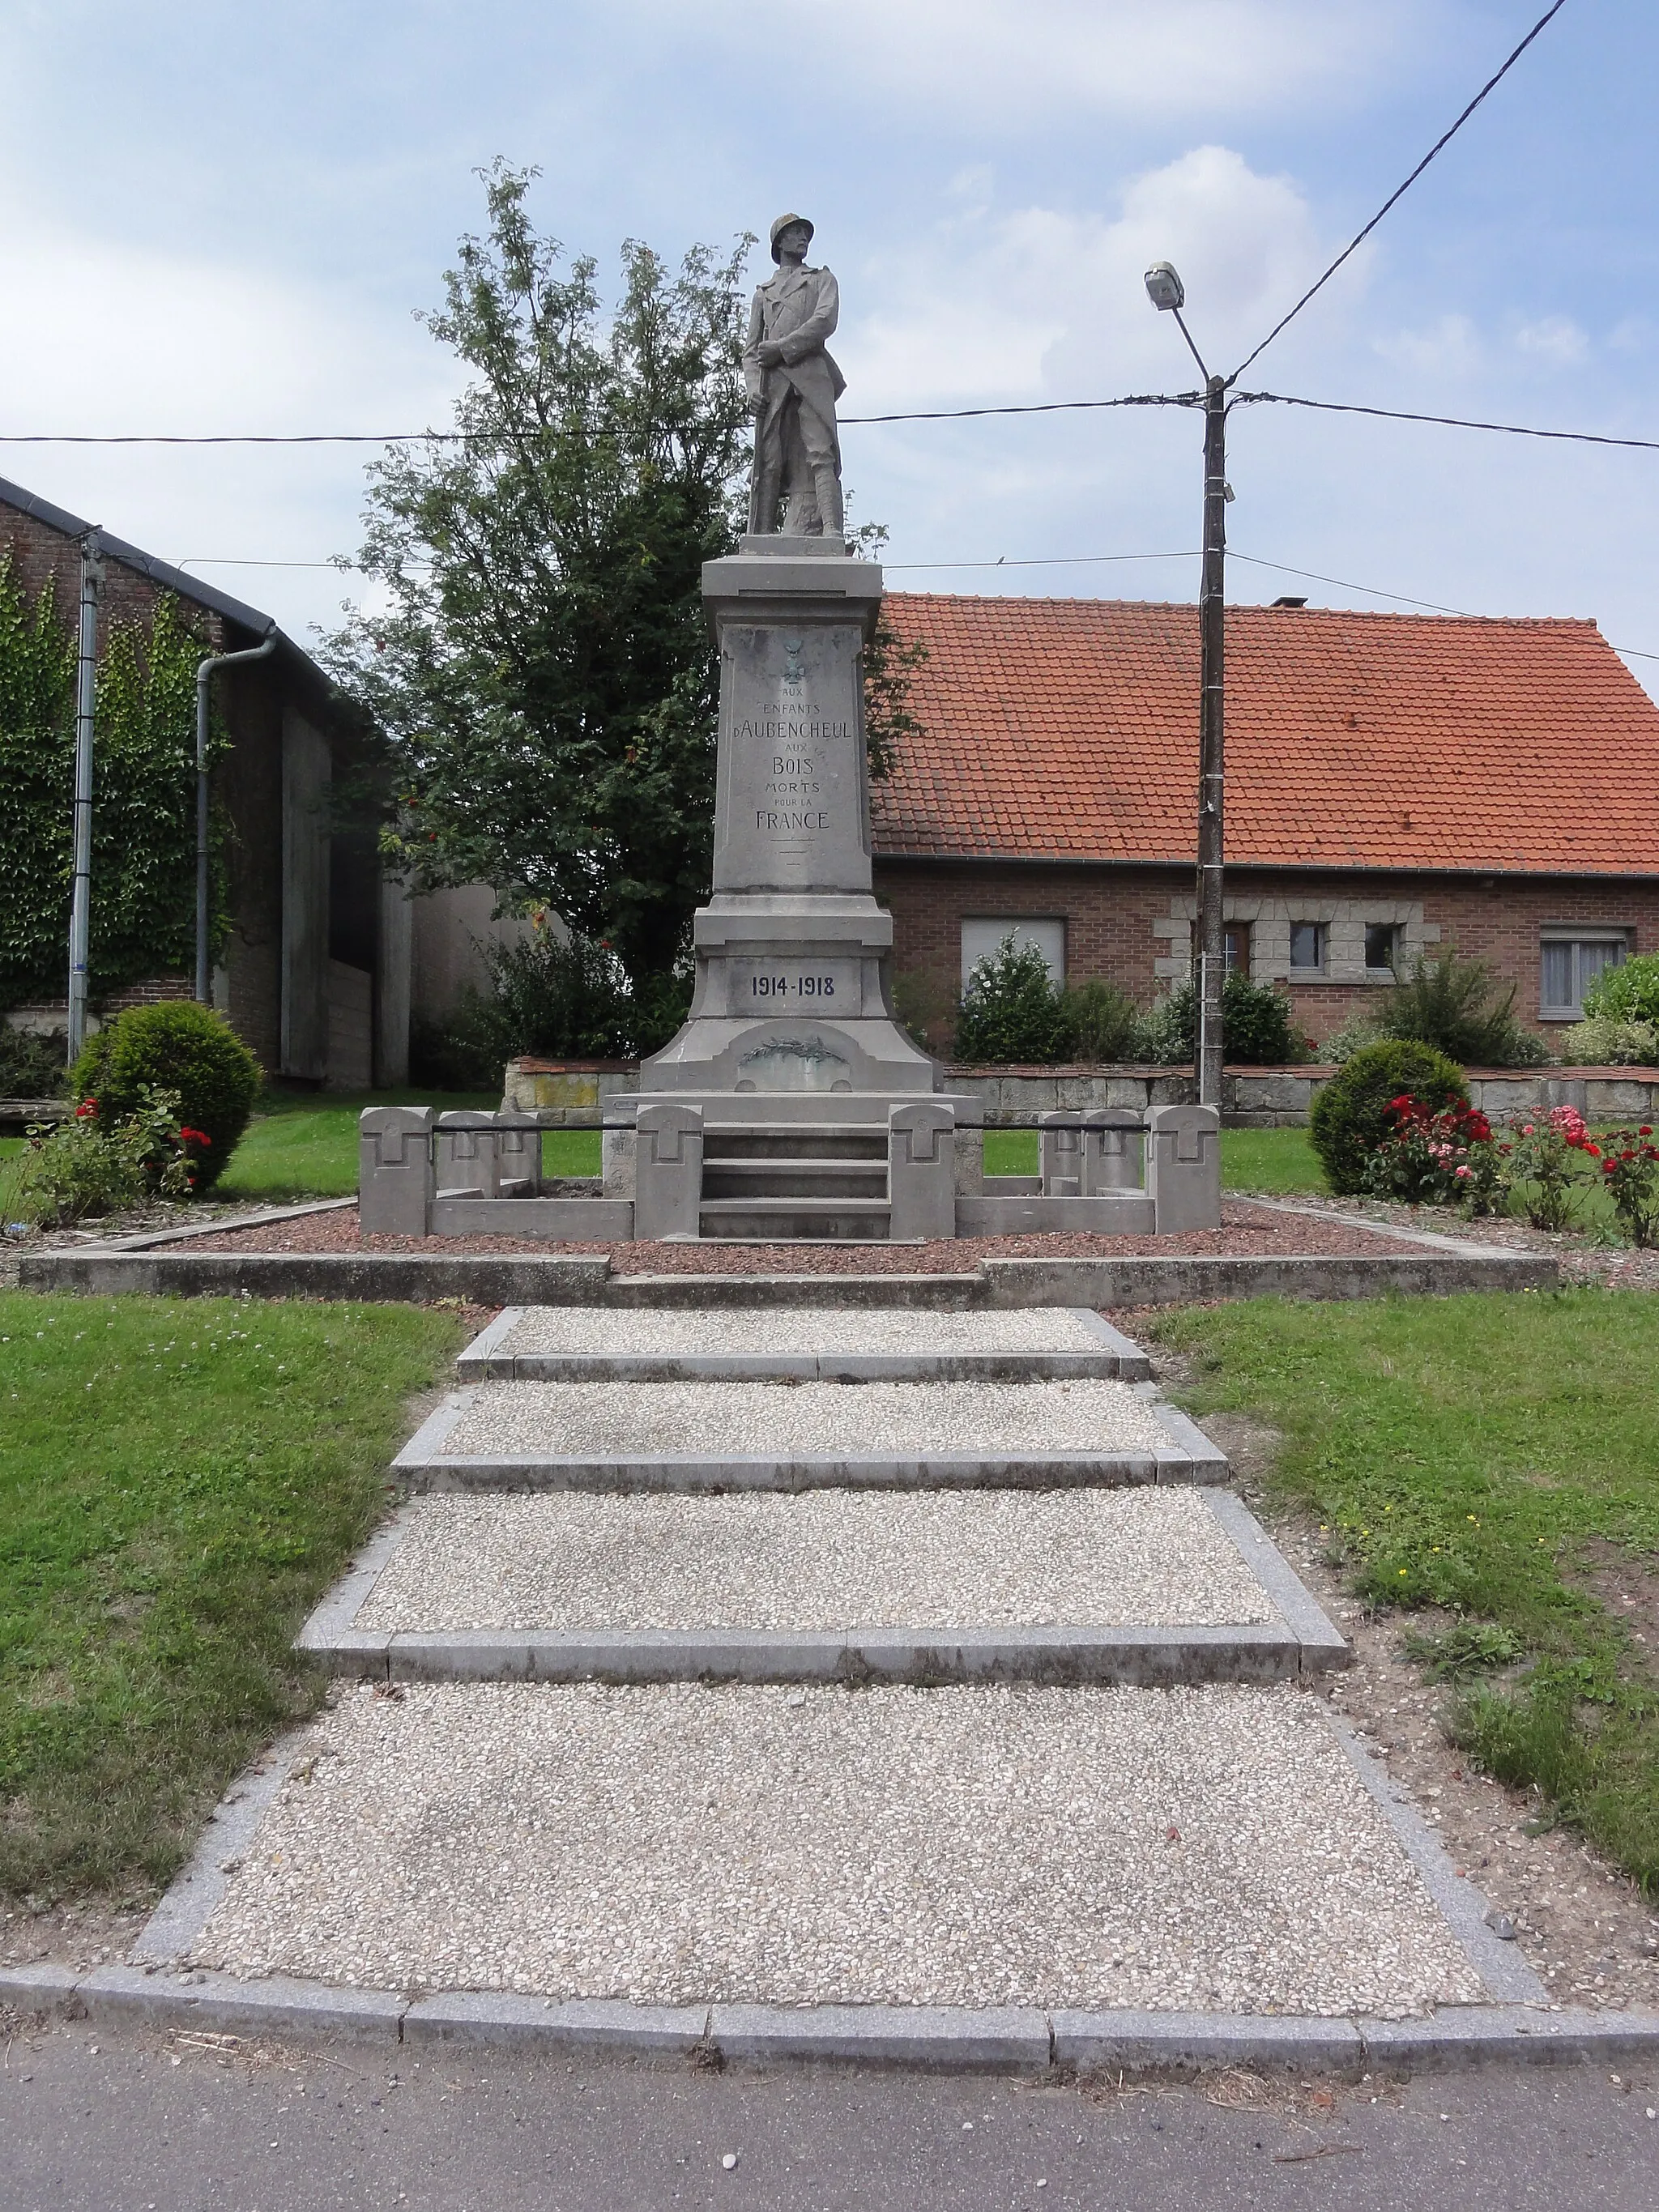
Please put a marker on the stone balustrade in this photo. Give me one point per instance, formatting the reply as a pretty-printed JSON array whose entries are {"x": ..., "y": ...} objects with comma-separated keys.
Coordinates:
[{"x": 1107, "y": 1169}]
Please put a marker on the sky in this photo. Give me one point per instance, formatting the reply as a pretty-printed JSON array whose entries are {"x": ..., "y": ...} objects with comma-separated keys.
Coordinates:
[{"x": 214, "y": 217}]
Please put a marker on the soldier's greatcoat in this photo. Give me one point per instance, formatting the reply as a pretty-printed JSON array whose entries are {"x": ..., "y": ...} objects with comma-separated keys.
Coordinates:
[{"x": 797, "y": 310}]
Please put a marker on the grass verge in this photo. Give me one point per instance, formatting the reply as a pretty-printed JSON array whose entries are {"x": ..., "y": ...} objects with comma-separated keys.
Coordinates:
[
  {"x": 1267, "y": 1160},
  {"x": 179, "y": 1483},
  {"x": 299, "y": 1147},
  {"x": 1496, "y": 1458}
]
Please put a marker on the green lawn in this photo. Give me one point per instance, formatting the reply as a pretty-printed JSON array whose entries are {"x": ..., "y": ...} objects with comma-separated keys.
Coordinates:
[
  {"x": 300, "y": 1145},
  {"x": 179, "y": 1482},
  {"x": 1251, "y": 1159},
  {"x": 1491, "y": 1456}
]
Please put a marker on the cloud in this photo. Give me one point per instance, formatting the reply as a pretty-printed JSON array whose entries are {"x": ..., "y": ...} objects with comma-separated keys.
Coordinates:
[
  {"x": 1555, "y": 338},
  {"x": 1450, "y": 348},
  {"x": 1003, "y": 61},
  {"x": 1041, "y": 301}
]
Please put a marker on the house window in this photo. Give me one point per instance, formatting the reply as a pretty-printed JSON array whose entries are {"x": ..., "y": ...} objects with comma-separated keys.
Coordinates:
[
  {"x": 1236, "y": 938},
  {"x": 982, "y": 935},
  {"x": 1307, "y": 948},
  {"x": 1571, "y": 965},
  {"x": 1381, "y": 946}
]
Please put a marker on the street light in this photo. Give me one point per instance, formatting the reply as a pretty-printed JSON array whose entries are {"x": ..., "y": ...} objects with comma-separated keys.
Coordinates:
[{"x": 1167, "y": 292}]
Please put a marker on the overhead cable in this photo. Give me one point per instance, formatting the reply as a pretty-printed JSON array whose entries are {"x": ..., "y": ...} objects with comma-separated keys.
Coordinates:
[{"x": 1443, "y": 141}]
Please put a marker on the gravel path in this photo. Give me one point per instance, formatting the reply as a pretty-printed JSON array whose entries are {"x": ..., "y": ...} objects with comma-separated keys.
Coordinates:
[
  {"x": 1247, "y": 1232},
  {"x": 736, "y": 1330},
  {"x": 1192, "y": 1849},
  {"x": 834, "y": 1558},
  {"x": 777, "y": 1420}
]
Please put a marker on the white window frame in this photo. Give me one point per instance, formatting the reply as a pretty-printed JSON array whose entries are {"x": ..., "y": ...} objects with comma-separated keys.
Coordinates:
[
  {"x": 1046, "y": 930},
  {"x": 1575, "y": 939}
]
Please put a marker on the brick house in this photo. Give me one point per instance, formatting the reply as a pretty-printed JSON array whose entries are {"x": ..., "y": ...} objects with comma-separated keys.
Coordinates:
[
  {"x": 1395, "y": 782},
  {"x": 316, "y": 976}
]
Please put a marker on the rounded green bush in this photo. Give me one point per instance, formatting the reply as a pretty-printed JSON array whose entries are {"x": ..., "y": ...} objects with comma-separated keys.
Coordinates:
[
  {"x": 1349, "y": 1117},
  {"x": 1628, "y": 993},
  {"x": 177, "y": 1046}
]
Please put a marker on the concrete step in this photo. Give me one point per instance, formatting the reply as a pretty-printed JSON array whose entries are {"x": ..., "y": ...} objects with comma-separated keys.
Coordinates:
[
  {"x": 843, "y": 1220},
  {"x": 788, "y": 1141},
  {"x": 1147, "y": 1586},
  {"x": 1219, "y": 1851},
  {"x": 805, "y": 1343},
  {"x": 801, "y": 1435},
  {"x": 795, "y": 1178}
]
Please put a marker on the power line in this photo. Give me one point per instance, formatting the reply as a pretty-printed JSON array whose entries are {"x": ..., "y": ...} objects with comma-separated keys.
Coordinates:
[
  {"x": 1453, "y": 421},
  {"x": 1048, "y": 561},
  {"x": 1037, "y": 407},
  {"x": 1443, "y": 141},
  {"x": 483, "y": 438}
]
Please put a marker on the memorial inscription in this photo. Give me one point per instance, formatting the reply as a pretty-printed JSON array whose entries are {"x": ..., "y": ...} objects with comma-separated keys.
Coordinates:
[{"x": 791, "y": 767}]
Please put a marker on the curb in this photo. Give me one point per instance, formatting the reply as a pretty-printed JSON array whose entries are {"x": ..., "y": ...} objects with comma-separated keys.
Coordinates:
[
  {"x": 952, "y": 2039},
  {"x": 578, "y": 1279}
]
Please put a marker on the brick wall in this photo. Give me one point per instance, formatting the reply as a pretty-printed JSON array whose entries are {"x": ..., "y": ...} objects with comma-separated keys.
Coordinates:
[{"x": 1128, "y": 924}]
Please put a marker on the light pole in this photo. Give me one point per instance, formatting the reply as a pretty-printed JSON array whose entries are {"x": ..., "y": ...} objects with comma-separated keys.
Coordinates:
[{"x": 1167, "y": 292}]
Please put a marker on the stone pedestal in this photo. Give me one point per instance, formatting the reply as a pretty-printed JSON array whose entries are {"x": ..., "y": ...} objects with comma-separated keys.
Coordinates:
[{"x": 792, "y": 949}]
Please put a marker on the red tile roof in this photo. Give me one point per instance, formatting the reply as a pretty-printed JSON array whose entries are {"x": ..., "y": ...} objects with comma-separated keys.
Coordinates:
[{"x": 1067, "y": 729}]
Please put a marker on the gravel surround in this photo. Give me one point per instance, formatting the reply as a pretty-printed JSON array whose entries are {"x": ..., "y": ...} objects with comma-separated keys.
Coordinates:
[
  {"x": 681, "y": 1844},
  {"x": 795, "y": 1420},
  {"x": 1247, "y": 1232},
  {"x": 820, "y": 1559},
  {"x": 732, "y": 1331}
]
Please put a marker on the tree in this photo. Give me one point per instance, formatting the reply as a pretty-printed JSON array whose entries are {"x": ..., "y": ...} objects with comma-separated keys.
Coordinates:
[{"x": 542, "y": 666}]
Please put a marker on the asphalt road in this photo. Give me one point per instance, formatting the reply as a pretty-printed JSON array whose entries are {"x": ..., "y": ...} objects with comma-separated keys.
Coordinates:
[{"x": 142, "y": 2124}]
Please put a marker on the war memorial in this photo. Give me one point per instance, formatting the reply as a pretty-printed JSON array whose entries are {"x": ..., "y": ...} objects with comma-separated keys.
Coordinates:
[{"x": 792, "y": 1105}]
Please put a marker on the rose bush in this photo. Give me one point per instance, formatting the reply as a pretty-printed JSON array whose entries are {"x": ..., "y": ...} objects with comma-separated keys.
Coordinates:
[
  {"x": 89, "y": 1164},
  {"x": 1430, "y": 1159},
  {"x": 1629, "y": 1175},
  {"x": 1541, "y": 1168}
]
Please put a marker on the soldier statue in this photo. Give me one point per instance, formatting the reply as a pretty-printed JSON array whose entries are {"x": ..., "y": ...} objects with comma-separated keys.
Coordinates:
[{"x": 794, "y": 386}]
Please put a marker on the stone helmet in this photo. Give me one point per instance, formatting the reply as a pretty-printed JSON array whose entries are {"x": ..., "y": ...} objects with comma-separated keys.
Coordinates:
[{"x": 781, "y": 225}]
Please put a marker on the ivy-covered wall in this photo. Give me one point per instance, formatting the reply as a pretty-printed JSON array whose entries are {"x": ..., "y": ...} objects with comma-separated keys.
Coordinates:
[{"x": 144, "y": 837}]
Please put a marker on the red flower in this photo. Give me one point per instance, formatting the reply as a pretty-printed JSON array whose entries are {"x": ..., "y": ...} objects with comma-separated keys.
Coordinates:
[
  {"x": 194, "y": 1136},
  {"x": 89, "y": 1107}
]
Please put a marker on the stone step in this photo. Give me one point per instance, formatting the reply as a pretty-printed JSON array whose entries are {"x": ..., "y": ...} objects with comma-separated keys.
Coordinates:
[
  {"x": 1148, "y": 1586},
  {"x": 801, "y": 1435},
  {"x": 841, "y": 1220},
  {"x": 836, "y": 1180},
  {"x": 805, "y": 1343},
  {"x": 1219, "y": 1850},
  {"x": 788, "y": 1141}
]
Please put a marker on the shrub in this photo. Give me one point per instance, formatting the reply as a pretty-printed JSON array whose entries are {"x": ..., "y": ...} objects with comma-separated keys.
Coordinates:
[
  {"x": 1541, "y": 1163},
  {"x": 32, "y": 1066},
  {"x": 1605, "y": 1041},
  {"x": 94, "y": 1163},
  {"x": 184, "y": 1049},
  {"x": 1358, "y": 1031},
  {"x": 1629, "y": 993},
  {"x": 1012, "y": 1011},
  {"x": 561, "y": 998},
  {"x": 1431, "y": 1159},
  {"x": 1449, "y": 1003},
  {"x": 1630, "y": 1171},
  {"x": 1349, "y": 1118},
  {"x": 1103, "y": 1022},
  {"x": 1256, "y": 1025}
]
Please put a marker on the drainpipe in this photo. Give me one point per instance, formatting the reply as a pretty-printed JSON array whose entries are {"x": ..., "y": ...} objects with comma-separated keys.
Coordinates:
[
  {"x": 203, "y": 677},
  {"x": 86, "y": 674}
]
